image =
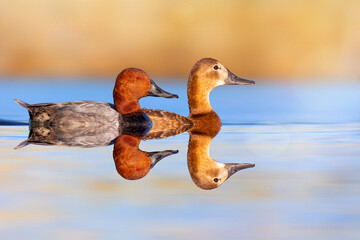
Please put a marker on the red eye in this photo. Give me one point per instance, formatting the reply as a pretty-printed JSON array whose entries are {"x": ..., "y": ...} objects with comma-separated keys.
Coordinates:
[
  {"x": 138, "y": 169},
  {"x": 138, "y": 77}
]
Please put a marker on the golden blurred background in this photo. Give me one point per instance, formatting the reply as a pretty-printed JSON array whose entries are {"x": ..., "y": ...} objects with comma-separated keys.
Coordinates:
[{"x": 272, "y": 39}]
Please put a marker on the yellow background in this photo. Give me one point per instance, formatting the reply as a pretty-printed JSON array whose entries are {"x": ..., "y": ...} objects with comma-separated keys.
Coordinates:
[{"x": 272, "y": 39}]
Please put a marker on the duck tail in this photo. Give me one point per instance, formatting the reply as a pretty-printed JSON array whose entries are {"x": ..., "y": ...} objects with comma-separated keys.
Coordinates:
[
  {"x": 23, "y": 104},
  {"x": 22, "y": 144}
]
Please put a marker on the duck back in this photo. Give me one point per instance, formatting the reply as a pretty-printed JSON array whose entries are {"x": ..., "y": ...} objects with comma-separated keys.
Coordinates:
[
  {"x": 166, "y": 124},
  {"x": 77, "y": 114}
]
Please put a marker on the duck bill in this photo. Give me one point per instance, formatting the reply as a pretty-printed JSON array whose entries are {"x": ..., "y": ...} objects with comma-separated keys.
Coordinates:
[
  {"x": 155, "y": 157},
  {"x": 156, "y": 91},
  {"x": 232, "y": 79},
  {"x": 235, "y": 167}
]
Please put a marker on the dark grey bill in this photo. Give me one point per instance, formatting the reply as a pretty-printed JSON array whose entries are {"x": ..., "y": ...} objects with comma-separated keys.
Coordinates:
[
  {"x": 156, "y": 91},
  {"x": 155, "y": 157},
  {"x": 235, "y": 167},
  {"x": 235, "y": 80}
]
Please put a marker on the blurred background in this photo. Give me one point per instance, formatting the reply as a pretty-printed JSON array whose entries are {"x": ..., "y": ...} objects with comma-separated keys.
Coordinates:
[
  {"x": 299, "y": 124},
  {"x": 268, "y": 39}
]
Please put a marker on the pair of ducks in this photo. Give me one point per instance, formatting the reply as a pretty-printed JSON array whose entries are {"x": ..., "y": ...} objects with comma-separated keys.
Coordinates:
[{"x": 203, "y": 123}]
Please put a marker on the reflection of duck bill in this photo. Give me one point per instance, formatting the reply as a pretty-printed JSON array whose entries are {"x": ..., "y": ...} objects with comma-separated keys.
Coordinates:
[
  {"x": 22, "y": 144},
  {"x": 235, "y": 167},
  {"x": 156, "y": 91},
  {"x": 232, "y": 79},
  {"x": 155, "y": 157}
]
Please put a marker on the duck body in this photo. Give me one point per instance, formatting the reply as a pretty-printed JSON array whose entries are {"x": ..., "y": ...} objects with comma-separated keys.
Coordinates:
[
  {"x": 206, "y": 124},
  {"x": 88, "y": 117},
  {"x": 165, "y": 124},
  {"x": 76, "y": 114}
]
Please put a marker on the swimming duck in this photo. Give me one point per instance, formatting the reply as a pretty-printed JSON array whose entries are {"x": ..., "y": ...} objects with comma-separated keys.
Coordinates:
[
  {"x": 132, "y": 163},
  {"x": 206, "y": 74},
  {"x": 131, "y": 85},
  {"x": 205, "y": 172}
]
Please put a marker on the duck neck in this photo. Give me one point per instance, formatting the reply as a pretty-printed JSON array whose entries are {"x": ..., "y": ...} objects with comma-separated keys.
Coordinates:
[
  {"x": 198, "y": 96},
  {"x": 125, "y": 103}
]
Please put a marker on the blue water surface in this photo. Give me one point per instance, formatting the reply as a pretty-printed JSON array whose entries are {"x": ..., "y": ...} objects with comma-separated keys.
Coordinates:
[
  {"x": 303, "y": 138},
  {"x": 260, "y": 103}
]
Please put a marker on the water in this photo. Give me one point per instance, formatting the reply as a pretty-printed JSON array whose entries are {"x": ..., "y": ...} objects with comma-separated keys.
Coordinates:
[{"x": 304, "y": 140}]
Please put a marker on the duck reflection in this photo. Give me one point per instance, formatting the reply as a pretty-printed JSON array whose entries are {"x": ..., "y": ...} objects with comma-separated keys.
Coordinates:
[
  {"x": 205, "y": 172},
  {"x": 131, "y": 163}
]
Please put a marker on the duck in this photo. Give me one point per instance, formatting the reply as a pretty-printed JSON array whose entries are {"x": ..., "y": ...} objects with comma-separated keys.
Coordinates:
[
  {"x": 131, "y": 163},
  {"x": 205, "y": 75},
  {"x": 131, "y": 85}
]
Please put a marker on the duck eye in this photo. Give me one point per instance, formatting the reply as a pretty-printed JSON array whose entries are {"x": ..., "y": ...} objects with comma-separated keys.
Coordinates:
[
  {"x": 216, "y": 180},
  {"x": 138, "y": 169},
  {"x": 138, "y": 77},
  {"x": 216, "y": 67}
]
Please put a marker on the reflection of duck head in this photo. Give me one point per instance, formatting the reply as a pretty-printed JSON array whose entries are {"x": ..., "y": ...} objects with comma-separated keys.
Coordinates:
[
  {"x": 131, "y": 85},
  {"x": 206, "y": 75},
  {"x": 132, "y": 163},
  {"x": 205, "y": 172}
]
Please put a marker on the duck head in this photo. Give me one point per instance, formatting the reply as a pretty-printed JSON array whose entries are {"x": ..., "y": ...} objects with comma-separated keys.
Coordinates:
[
  {"x": 207, "y": 74},
  {"x": 205, "y": 172},
  {"x": 131, "y": 85},
  {"x": 132, "y": 163}
]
